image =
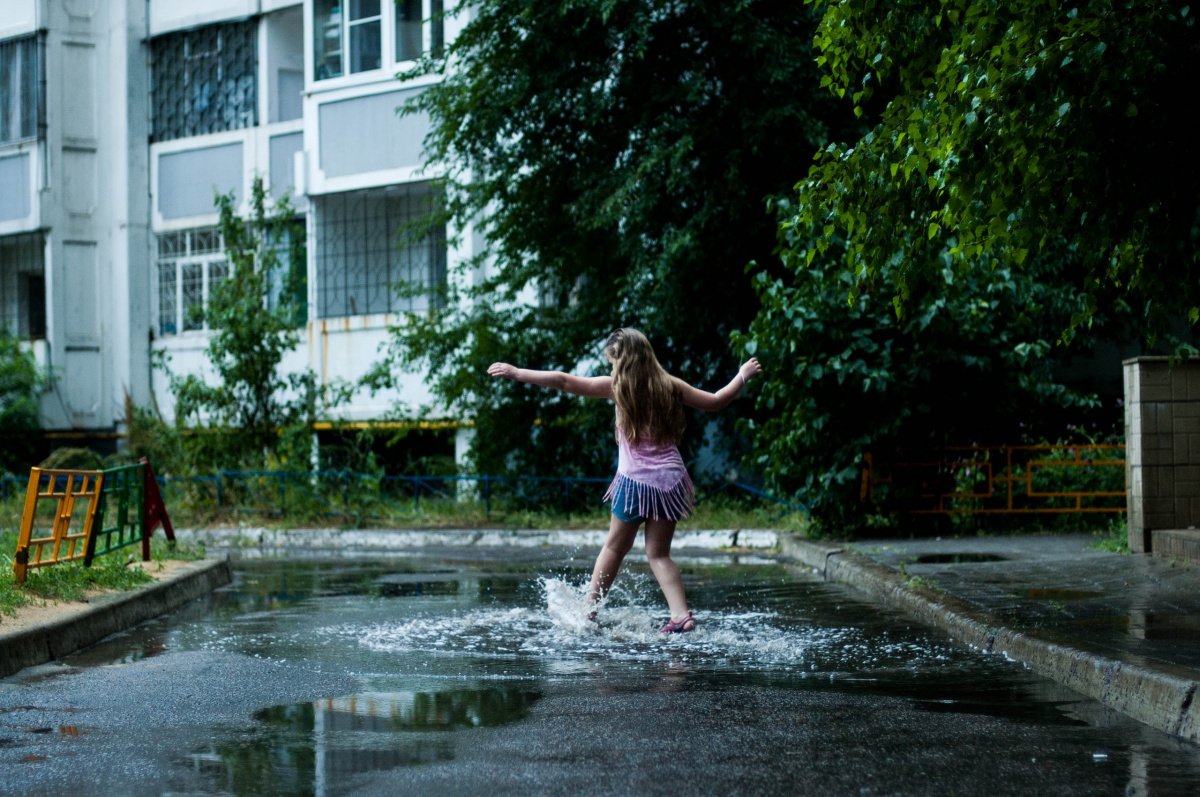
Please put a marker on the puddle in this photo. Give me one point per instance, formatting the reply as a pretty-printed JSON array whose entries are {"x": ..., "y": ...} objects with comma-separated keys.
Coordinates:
[
  {"x": 306, "y": 748},
  {"x": 958, "y": 558},
  {"x": 1060, "y": 594},
  {"x": 447, "y": 661},
  {"x": 393, "y": 712},
  {"x": 1178, "y": 627}
]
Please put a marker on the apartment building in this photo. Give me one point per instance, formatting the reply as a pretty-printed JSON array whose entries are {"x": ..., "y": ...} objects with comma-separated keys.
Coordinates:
[{"x": 119, "y": 122}]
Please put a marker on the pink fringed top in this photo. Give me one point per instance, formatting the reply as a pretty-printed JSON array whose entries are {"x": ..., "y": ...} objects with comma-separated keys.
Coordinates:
[{"x": 652, "y": 481}]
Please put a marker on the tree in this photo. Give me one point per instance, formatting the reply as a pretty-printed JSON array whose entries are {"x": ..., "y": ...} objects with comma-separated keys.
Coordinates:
[
  {"x": 1000, "y": 129},
  {"x": 253, "y": 410},
  {"x": 20, "y": 380},
  {"x": 615, "y": 156},
  {"x": 970, "y": 361}
]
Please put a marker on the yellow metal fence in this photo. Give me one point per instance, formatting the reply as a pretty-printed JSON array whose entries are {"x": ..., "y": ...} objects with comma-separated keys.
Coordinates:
[
  {"x": 56, "y": 492},
  {"x": 1013, "y": 480}
]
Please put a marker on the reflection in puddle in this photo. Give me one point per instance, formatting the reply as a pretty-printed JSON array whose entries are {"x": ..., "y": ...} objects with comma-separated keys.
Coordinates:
[
  {"x": 317, "y": 748},
  {"x": 958, "y": 558},
  {"x": 1182, "y": 627},
  {"x": 406, "y": 711},
  {"x": 1061, "y": 594}
]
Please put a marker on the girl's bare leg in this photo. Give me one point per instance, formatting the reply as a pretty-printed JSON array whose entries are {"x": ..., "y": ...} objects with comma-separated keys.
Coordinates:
[
  {"x": 619, "y": 541},
  {"x": 659, "y": 534}
]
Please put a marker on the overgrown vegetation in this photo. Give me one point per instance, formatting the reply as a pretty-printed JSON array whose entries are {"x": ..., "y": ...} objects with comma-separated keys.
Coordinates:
[
  {"x": 72, "y": 581},
  {"x": 999, "y": 130},
  {"x": 615, "y": 157},
  {"x": 20, "y": 380},
  {"x": 248, "y": 414},
  {"x": 1114, "y": 538},
  {"x": 1003, "y": 211},
  {"x": 971, "y": 361},
  {"x": 308, "y": 503}
]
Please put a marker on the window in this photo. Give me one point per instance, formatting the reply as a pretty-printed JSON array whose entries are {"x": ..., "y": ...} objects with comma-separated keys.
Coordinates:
[
  {"x": 367, "y": 261},
  {"x": 204, "y": 80},
  {"x": 360, "y": 24},
  {"x": 408, "y": 30},
  {"x": 190, "y": 265},
  {"x": 23, "y": 285},
  {"x": 366, "y": 35},
  {"x": 327, "y": 39},
  {"x": 22, "y": 89},
  {"x": 288, "y": 283}
]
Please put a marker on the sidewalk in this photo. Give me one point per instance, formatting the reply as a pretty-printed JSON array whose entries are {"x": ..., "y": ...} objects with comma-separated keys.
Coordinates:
[
  {"x": 1124, "y": 629},
  {"x": 44, "y": 633},
  {"x": 1128, "y": 605}
]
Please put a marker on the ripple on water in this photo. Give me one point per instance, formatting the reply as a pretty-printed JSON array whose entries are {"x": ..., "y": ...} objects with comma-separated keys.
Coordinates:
[{"x": 558, "y": 630}]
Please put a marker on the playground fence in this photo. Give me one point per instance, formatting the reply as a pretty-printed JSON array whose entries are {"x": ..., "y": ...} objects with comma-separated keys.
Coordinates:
[{"x": 351, "y": 494}]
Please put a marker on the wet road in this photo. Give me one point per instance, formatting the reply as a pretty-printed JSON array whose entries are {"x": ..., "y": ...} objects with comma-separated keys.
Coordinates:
[{"x": 422, "y": 676}]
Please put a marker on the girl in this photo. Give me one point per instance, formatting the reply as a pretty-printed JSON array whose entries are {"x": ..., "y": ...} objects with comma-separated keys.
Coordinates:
[{"x": 652, "y": 485}]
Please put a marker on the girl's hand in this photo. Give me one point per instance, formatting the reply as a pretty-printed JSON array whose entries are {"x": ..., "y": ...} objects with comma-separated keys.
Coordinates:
[
  {"x": 750, "y": 369},
  {"x": 502, "y": 370}
]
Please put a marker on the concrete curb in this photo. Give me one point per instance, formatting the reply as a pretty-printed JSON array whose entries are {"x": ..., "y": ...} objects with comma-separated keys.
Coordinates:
[
  {"x": 108, "y": 615},
  {"x": 1158, "y": 695}
]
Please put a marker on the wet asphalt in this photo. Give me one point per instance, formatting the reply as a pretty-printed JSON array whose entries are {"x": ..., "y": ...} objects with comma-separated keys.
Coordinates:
[
  {"x": 1130, "y": 607},
  {"x": 421, "y": 675}
]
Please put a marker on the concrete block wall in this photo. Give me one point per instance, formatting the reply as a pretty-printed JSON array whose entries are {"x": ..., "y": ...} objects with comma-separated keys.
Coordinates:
[{"x": 1162, "y": 440}]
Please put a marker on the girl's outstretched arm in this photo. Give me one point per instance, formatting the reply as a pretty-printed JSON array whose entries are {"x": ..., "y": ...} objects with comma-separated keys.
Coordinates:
[
  {"x": 587, "y": 386},
  {"x": 712, "y": 402}
]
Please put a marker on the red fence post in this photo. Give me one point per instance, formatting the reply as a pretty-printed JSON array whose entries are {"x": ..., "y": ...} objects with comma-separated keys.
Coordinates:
[{"x": 155, "y": 512}]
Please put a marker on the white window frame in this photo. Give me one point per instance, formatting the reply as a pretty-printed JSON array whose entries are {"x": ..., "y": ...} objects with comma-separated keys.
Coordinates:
[
  {"x": 387, "y": 21},
  {"x": 191, "y": 255},
  {"x": 348, "y": 26}
]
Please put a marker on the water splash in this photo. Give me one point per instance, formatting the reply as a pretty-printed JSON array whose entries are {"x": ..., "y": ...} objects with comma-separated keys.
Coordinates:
[{"x": 557, "y": 632}]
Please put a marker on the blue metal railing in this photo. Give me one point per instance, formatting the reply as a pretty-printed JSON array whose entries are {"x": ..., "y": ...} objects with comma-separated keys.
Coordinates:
[{"x": 347, "y": 493}]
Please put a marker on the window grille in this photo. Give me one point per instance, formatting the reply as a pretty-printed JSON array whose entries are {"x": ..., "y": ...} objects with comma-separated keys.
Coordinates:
[
  {"x": 205, "y": 80},
  {"x": 23, "y": 285},
  {"x": 190, "y": 264},
  {"x": 22, "y": 89},
  {"x": 366, "y": 260}
]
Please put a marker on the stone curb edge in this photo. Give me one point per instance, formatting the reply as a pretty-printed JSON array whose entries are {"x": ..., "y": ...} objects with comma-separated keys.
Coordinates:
[
  {"x": 1161, "y": 697},
  {"x": 108, "y": 615}
]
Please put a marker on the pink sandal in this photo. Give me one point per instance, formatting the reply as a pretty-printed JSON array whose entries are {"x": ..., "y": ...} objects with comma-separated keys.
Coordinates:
[{"x": 679, "y": 626}]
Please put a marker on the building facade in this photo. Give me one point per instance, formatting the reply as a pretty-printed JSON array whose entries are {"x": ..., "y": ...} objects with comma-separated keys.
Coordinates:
[{"x": 120, "y": 120}]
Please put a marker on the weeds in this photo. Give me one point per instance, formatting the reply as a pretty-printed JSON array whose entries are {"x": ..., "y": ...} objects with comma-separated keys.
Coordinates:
[
  {"x": 921, "y": 581},
  {"x": 1115, "y": 538},
  {"x": 443, "y": 512},
  {"x": 67, "y": 582},
  {"x": 71, "y": 581}
]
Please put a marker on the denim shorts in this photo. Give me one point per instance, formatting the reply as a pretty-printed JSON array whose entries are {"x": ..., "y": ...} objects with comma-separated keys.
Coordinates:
[{"x": 618, "y": 507}]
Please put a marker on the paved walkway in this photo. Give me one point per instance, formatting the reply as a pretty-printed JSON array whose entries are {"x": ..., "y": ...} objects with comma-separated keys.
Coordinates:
[{"x": 1130, "y": 607}]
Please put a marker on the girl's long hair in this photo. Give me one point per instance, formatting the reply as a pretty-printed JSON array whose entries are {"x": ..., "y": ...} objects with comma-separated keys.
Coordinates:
[{"x": 648, "y": 398}]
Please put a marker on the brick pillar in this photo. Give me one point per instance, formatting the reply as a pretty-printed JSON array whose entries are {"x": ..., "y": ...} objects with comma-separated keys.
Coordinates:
[{"x": 1162, "y": 447}]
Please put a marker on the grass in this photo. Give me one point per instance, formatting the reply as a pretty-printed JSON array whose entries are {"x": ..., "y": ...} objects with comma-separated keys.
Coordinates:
[
  {"x": 71, "y": 581},
  {"x": 1114, "y": 538},
  {"x": 922, "y": 581},
  {"x": 719, "y": 512}
]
